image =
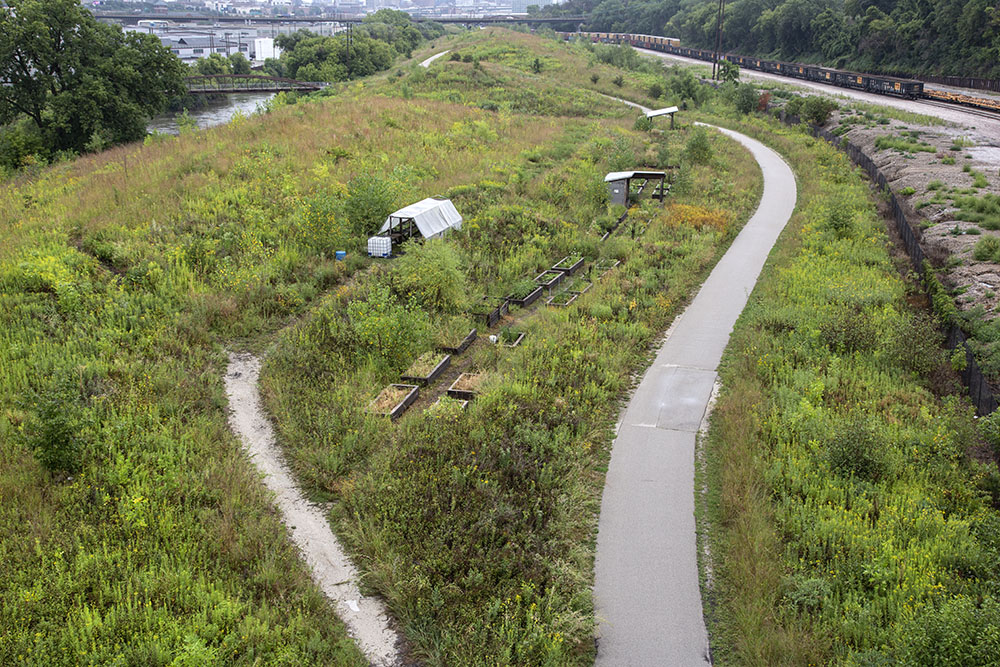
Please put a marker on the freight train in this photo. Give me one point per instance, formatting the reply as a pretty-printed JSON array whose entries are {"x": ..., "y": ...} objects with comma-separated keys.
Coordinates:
[{"x": 873, "y": 83}]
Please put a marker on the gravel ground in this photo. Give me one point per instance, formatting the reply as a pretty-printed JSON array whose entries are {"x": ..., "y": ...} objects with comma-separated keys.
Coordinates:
[{"x": 366, "y": 618}]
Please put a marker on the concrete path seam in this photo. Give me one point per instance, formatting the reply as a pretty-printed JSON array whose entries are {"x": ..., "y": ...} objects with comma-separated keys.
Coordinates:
[{"x": 646, "y": 585}]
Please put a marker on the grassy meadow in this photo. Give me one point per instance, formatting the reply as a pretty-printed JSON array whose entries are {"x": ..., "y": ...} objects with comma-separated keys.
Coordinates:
[
  {"x": 134, "y": 529},
  {"x": 848, "y": 518},
  {"x": 852, "y": 521},
  {"x": 477, "y": 526}
]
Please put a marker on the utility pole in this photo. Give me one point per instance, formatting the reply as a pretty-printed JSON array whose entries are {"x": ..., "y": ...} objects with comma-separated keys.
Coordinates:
[
  {"x": 350, "y": 40},
  {"x": 718, "y": 38}
]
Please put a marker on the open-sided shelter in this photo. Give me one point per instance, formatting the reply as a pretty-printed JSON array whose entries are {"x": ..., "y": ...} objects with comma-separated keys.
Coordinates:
[
  {"x": 668, "y": 111},
  {"x": 428, "y": 218},
  {"x": 624, "y": 185}
]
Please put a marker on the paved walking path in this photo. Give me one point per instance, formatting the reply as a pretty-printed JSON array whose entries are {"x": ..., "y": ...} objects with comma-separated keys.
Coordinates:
[
  {"x": 646, "y": 587},
  {"x": 427, "y": 63}
]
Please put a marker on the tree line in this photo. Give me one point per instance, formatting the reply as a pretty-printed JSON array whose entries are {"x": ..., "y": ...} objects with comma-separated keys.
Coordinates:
[
  {"x": 70, "y": 84},
  {"x": 370, "y": 48},
  {"x": 944, "y": 37}
]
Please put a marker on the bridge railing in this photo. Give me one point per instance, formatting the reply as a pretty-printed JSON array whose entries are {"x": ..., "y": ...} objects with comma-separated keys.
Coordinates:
[{"x": 210, "y": 83}]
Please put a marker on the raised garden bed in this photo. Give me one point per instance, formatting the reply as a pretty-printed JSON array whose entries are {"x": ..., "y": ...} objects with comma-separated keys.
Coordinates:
[
  {"x": 490, "y": 309},
  {"x": 427, "y": 368},
  {"x": 602, "y": 267},
  {"x": 445, "y": 402},
  {"x": 456, "y": 338},
  {"x": 578, "y": 286},
  {"x": 525, "y": 293},
  {"x": 550, "y": 279},
  {"x": 510, "y": 337},
  {"x": 562, "y": 299},
  {"x": 568, "y": 264},
  {"x": 466, "y": 386},
  {"x": 393, "y": 400}
]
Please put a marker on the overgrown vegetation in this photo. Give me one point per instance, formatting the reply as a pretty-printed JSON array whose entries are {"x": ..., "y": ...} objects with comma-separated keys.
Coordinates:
[
  {"x": 134, "y": 529},
  {"x": 956, "y": 37},
  {"x": 851, "y": 524},
  {"x": 496, "y": 504}
]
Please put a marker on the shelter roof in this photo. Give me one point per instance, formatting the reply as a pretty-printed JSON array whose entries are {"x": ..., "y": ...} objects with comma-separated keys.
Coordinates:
[
  {"x": 432, "y": 216},
  {"x": 661, "y": 112},
  {"x": 624, "y": 175}
]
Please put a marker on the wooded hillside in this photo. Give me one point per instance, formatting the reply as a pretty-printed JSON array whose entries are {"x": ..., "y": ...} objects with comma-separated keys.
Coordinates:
[{"x": 951, "y": 37}]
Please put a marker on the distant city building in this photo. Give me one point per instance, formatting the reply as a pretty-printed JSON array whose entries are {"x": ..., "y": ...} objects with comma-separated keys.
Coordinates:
[{"x": 521, "y": 6}]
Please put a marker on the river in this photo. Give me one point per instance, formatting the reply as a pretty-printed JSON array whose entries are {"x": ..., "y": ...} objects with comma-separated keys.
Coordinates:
[{"x": 215, "y": 112}]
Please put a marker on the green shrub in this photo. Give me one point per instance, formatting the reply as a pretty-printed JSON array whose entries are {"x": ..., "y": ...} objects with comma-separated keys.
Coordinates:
[
  {"x": 849, "y": 329},
  {"x": 817, "y": 110},
  {"x": 745, "y": 98},
  {"x": 371, "y": 198},
  {"x": 655, "y": 91},
  {"x": 698, "y": 148},
  {"x": 430, "y": 274},
  {"x": 855, "y": 450},
  {"x": 987, "y": 249},
  {"x": 960, "y": 632},
  {"x": 56, "y": 432},
  {"x": 794, "y": 106}
]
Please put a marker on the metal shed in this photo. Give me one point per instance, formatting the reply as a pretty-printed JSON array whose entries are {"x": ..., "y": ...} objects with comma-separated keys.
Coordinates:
[{"x": 620, "y": 185}]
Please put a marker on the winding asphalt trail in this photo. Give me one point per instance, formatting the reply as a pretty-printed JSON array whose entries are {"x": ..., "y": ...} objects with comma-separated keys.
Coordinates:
[
  {"x": 427, "y": 63},
  {"x": 646, "y": 586}
]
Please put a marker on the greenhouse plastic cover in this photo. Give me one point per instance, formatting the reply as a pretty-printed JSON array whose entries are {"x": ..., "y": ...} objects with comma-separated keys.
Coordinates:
[{"x": 432, "y": 216}]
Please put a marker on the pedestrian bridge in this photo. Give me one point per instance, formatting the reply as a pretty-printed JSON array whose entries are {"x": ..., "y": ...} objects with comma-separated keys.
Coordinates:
[{"x": 247, "y": 83}]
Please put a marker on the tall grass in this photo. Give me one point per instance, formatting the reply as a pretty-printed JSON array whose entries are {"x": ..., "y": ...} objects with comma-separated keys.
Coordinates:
[
  {"x": 135, "y": 530},
  {"x": 478, "y": 527},
  {"x": 850, "y": 524}
]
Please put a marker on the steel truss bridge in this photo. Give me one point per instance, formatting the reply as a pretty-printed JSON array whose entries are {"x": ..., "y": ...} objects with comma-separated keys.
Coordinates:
[{"x": 247, "y": 83}]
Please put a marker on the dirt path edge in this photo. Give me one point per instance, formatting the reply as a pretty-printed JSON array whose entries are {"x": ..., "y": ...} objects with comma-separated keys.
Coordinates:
[{"x": 366, "y": 618}]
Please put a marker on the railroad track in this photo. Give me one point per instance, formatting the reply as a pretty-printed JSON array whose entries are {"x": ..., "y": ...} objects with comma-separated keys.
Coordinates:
[{"x": 960, "y": 106}]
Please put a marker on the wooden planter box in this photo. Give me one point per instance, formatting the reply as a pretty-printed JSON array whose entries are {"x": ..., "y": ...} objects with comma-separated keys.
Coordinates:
[
  {"x": 516, "y": 341},
  {"x": 462, "y": 394},
  {"x": 491, "y": 315},
  {"x": 528, "y": 300},
  {"x": 560, "y": 300},
  {"x": 462, "y": 403},
  {"x": 570, "y": 267},
  {"x": 433, "y": 375},
  {"x": 463, "y": 346},
  {"x": 605, "y": 266},
  {"x": 580, "y": 292},
  {"x": 550, "y": 279},
  {"x": 400, "y": 407}
]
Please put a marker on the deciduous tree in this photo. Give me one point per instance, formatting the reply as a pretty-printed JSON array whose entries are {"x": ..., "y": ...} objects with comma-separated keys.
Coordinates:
[{"x": 78, "y": 79}]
